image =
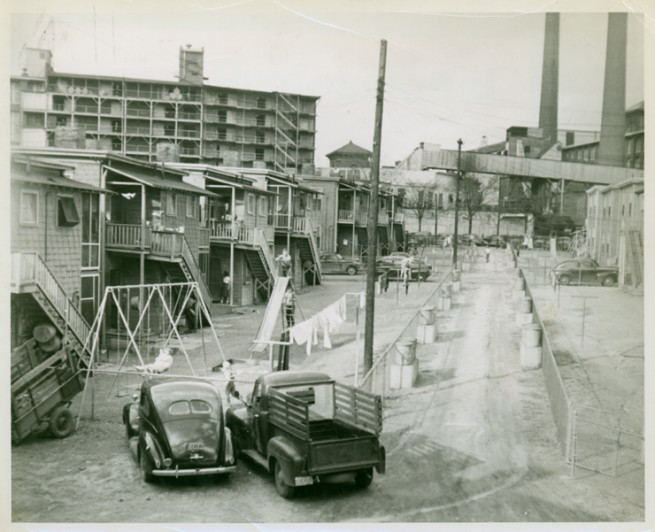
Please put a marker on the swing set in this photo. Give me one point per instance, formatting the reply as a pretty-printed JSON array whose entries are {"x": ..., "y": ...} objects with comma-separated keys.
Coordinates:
[{"x": 134, "y": 307}]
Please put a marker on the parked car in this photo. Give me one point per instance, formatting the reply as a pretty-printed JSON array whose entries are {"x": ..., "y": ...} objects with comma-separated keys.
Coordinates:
[
  {"x": 176, "y": 428},
  {"x": 406, "y": 255},
  {"x": 393, "y": 265},
  {"x": 493, "y": 241},
  {"x": 584, "y": 271},
  {"x": 305, "y": 428},
  {"x": 336, "y": 263}
]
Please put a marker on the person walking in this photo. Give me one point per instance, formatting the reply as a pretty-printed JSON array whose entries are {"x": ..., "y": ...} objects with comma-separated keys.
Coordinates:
[
  {"x": 289, "y": 307},
  {"x": 226, "y": 288},
  {"x": 405, "y": 272},
  {"x": 487, "y": 253}
]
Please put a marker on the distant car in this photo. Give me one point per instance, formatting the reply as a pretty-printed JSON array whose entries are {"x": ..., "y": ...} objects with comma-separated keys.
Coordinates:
[
  {"x": 393, "y": 265},
  {"x": 493, "y": 241},
  {"x": 584, "y": 271},
  {"x": 336, "y": 263},
  {"x": 406, "y": 255},
  {"x": 176, "y": 428}
]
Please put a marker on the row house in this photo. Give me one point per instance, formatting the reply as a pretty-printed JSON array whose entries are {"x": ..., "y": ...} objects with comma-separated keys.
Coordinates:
[
  {"x": 615, "y": 228},
  {"x": 252, "y": 216},
  {"x": 146, "y": 228},
  {"x": 346, "y": 206},
  {"x": 55, "y": 251}
]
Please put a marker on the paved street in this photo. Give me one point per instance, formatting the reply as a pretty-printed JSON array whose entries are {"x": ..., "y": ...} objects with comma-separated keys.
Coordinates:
[{"x": 474, "y": 440}]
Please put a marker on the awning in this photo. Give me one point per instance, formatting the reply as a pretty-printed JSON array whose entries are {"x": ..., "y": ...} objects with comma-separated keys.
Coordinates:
[
  {"x": 53, "y": 180},
  {"x": 156, "y": 180}
]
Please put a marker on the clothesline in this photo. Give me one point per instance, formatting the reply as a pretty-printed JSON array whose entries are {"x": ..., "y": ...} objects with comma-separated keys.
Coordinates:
[{"x": 325, "y": 321}]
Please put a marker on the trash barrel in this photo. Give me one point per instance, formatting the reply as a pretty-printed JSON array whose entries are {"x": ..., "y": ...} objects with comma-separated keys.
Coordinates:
[
  {"x": 525, "y": 305},
  {"x": 531, "y": 335},
  {"x": 46, "y": 338},
  {"x": 427, "y": 316},
  {"x": 405, "y": 351}
]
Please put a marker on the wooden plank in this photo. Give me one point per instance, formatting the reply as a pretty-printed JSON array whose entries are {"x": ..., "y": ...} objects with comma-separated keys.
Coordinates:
[{"x": 59, "y": 355}]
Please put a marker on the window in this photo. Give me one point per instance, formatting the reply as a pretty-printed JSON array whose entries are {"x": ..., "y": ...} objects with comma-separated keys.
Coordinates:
[
  {"x": 222, "y": 116},
  {"x": 171, "y": 207},
  {"x": 189, "y": 206},
  {"x": 222, "y": 134},
  {"x": 263, "y": 208},
  {"x": 259, "y": 154},
  {"x": 251, "y": 203},
  {"x": 261, "y": 120},
  {"x": 67, "y": 215},
  {"x": 29, "y": 207},
  {"x": 261, "y": 103}
]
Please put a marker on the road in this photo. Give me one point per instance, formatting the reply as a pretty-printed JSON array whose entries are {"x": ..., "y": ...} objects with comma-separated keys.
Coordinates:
[{"x": 473, "y": 441}]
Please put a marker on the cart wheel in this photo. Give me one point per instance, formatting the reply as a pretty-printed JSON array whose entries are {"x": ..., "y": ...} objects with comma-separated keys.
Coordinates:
[{"x": 61, "y": 422}]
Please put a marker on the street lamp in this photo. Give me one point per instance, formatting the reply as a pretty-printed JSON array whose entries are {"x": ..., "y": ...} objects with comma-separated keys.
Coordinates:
[{"x": 459, "y": 175}]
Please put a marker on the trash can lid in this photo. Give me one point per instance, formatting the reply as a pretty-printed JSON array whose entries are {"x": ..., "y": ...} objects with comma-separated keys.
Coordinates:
[{"x": 44, "y": 333}]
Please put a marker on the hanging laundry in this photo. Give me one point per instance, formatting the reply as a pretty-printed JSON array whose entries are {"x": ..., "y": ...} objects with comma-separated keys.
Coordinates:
[{"x": 304, "y": 333}]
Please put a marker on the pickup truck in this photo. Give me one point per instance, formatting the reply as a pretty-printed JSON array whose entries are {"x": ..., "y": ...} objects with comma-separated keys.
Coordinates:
[{"x": 305, "y": 428}]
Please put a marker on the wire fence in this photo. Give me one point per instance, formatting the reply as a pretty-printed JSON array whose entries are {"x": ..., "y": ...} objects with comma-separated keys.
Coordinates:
[{"x": 377, "y": 379}]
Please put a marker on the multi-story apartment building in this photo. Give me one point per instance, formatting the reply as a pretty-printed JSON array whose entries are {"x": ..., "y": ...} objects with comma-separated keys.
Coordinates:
[
  {"x": 185, "y": 120},
  {"x": 615, "y": 228}
]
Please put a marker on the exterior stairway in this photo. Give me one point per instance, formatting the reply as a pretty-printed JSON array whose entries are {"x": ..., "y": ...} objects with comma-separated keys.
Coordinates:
[
  {"x": 262, "y": 264},
  {"x": 308, "y": 249},
  {"x": 30, "y": 274}
]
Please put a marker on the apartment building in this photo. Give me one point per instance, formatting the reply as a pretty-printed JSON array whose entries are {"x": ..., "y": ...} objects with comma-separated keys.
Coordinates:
[{"x": 152, "y": 120}]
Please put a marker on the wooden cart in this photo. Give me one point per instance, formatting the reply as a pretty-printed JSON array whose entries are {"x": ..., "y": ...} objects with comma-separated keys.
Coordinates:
[{"x": 43, "y": 385}]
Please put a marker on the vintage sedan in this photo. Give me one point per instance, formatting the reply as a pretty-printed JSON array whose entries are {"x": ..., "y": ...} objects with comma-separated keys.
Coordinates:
[
  {"x": 336, "y": 263},
  {"x": 176, "y": 428},
  {"x": 493, "y": 241},
  {"x": 393, "y": 264},
  {"x": 584, "y": 271}
]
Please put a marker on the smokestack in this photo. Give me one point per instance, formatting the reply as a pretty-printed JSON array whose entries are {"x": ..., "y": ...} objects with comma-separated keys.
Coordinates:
[
  {"x": 612, "y": 125},
  {"x": 550, "y": 80}
]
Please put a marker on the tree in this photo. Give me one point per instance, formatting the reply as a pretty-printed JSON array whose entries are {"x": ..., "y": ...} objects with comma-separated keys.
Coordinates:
[
  {"x": 473, "y": 194},
  {"x": 419, "y": 199}
]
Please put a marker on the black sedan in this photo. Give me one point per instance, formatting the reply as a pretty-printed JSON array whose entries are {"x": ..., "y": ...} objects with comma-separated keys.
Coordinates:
[
  {"x": 176, "y": 428},
  {"x": 584, "y": 271},
  {"x": 493, "y": 241},
  {"x": 393, "y": 264},
  {"x": 336, "y": 263}
]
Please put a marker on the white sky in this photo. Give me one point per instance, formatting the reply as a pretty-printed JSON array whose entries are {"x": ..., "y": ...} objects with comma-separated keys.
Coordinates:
[{"x": 449, "y": 74}]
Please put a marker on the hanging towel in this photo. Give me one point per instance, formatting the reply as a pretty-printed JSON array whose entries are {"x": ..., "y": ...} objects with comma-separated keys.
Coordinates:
[{"x": 304, "y": 333}]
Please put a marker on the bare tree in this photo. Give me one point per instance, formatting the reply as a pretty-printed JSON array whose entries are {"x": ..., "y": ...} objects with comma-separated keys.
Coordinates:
[
  {"x": 474, "y": 195},
  {"x": 419, "y": 199}
]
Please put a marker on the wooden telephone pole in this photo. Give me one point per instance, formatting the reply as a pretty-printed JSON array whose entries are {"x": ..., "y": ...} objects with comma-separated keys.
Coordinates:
[{"x": 373, "y": 214}]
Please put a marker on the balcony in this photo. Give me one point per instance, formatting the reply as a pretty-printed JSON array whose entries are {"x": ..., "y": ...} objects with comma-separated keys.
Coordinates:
[
  {"x": 279, "y": 220},
  {"x": 228, "y": 231},
  {"x": 346, "y": 216},
  {"x": 133, "y": 130},
  {"x": 138, "y": 112},
  {"x": 188, "y": 133},
  {"x": 131, "y": 237}
]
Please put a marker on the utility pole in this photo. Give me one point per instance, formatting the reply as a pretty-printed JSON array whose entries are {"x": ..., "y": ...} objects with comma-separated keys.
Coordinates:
[
  {"x": 459, "y": 176},
  {"x": 373, "y": 215}
]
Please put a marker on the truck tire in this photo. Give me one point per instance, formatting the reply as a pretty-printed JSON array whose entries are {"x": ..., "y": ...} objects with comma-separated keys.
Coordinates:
[
  {"x": 363, "y": 478},
  {"x": 282, "y": 487},
  {"x": 609, "y": 281},
  {"x": 61, "y": 422},
  {"x": 351, "y": 270}
]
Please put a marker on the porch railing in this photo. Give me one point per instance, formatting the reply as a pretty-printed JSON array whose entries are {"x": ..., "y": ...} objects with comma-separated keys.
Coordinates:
[
  {"x": 346, "y": 215},
  {"x": 126, "y": 235}
]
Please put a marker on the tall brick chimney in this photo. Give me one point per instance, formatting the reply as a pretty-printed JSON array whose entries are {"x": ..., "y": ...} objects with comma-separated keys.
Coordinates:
[
  {"x": 550, "y": 80},
  {"x": 612, "y": 125}
]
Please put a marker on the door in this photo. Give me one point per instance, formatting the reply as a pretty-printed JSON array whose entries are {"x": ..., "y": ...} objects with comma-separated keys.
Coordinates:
[{"x": 214, "y": 275}]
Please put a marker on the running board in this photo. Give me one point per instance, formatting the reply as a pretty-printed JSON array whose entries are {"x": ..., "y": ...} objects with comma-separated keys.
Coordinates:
[{"x": 256, "y": 457}]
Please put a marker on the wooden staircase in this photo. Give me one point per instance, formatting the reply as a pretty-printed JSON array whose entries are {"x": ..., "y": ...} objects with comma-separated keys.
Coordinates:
[
  {"x": 262, "y": 264},
  {"x": 308, "y": 249},
  {"x": 30, "y": 274}
]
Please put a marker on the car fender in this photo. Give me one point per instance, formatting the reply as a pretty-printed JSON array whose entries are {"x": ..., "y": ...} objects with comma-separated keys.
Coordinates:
[
  {"x": 153, "y": 448},
  {"x": 291, "y": 461}
]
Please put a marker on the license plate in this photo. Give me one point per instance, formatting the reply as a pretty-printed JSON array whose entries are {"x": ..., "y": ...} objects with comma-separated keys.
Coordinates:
[
  {"x": 304, "y": 481},
  {"x": 194, "y": 446}
]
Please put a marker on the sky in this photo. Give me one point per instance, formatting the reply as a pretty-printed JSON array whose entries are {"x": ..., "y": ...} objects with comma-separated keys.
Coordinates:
[{"x": 449, "y": 74}]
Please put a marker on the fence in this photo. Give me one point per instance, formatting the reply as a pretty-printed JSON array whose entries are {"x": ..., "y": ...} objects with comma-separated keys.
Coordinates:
[
  {"x": 590, "y": 438},
  {"x": 377, "y": 379}
]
